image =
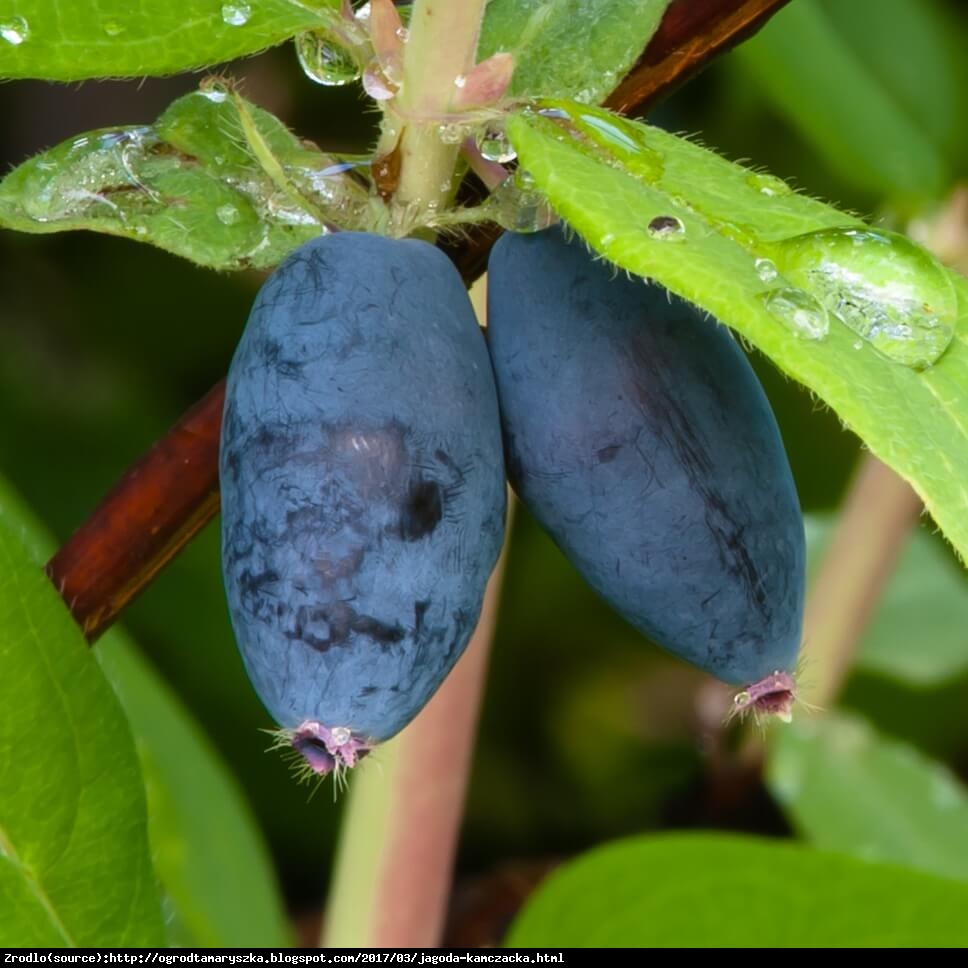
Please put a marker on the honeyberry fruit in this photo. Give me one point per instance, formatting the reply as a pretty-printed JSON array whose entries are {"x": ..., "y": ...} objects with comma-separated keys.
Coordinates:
[
  {"x": 638, "y": 435},
  {"x": 363, "y": 488}
]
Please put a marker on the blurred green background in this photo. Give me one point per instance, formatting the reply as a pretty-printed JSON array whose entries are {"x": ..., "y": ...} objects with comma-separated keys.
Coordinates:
[{"x": 588, "y": 732}]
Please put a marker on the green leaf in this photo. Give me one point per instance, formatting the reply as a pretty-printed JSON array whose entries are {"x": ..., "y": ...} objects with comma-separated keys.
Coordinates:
[
  {"x": 216, "y": 180},
  {"x": 849, "y": 90},
  {"x": 74, "y": 862},
  {"x": 745, "y": 239},
  {"x": 134, "y": 38},
  {"x": 579, "y": 49},
  {"x": 207, "y": 849},
  {"x": 917, "y": 634},
  {"x": 848, "y": 789},
  {"x": 712, "y": 891}
]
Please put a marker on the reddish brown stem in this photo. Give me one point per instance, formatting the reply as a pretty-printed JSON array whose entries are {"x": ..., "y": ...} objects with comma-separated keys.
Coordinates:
[
  {"x": 172, "y": 492},
  {"x": 159, "y": 505},
  {"x": 691, "y": 34}
]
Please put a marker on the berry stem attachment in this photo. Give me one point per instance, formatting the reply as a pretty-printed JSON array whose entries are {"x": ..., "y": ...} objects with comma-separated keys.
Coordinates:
[{"x": 441, "y": 48}]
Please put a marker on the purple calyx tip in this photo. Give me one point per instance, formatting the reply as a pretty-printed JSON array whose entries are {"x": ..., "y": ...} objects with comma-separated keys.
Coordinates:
[
  {"x": 773, "y": 695},
  {"x": 326, "y": 749}
]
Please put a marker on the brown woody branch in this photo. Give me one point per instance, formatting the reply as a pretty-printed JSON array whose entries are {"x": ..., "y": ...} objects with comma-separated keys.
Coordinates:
[{"x": 169, "y": 495}]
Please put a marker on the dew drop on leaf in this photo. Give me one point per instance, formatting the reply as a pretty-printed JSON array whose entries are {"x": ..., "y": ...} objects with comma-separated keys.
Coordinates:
[
  {"x": 766, "y": 270},
  {"x": 15, "y": 31},
  {"x": 324, "y": 61},
  {"x": 768, "y": 185},
  {"x": 798, "y": 311},
  {"x": 667, "y": 228},
  {"x": 227, "y": 214},
  {"x": 236, "y": 14},
  {"x": 889, "y": 291}
]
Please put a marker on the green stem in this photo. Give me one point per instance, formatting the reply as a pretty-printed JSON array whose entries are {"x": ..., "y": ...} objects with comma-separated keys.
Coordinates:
[{"x": 441, "y": 47}]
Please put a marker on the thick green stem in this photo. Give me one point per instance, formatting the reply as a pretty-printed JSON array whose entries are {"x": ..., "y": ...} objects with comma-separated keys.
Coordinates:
[{"x": 441, "y": 48}]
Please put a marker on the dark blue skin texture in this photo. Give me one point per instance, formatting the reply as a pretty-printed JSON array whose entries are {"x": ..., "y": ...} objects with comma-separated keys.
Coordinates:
[
  {"x": 638, "y": 435},
  {"x": 363, "y": 486}
]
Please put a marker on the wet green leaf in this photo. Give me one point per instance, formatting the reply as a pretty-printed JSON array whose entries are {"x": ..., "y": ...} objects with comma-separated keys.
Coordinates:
[
  {"x": 207, "y": 849},
  {"x": 778, "y": 267},
  {"x": 74, "y": 863},
  {"x": 570, "y": 48},
  {"x": 134, "y": 38},
  {"x": 216, "y": 180},
  {"x": 208, "y": 853},
  {"x": 848, "y": 789},
  {"x": 714, "y": 891}
]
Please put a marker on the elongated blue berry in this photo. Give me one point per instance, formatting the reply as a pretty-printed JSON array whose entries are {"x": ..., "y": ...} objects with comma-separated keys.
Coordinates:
[
  {"x": 363, "y": 492},
  {"x": 638, "y": 435}
]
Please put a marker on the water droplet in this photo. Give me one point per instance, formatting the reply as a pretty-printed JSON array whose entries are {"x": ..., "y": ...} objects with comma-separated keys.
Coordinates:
[
  {"x": 340, "y": 735},
  {"x": 15, "y": 31},
  {"x": 523, "y": 179},
  {"x": 236, "y": 14},
  {"x": 100, "y": 175},
  {"x": 667, "y": 228},
  {"x": 324, "y": 61},
  {"x": 112, "y": 28},
  {"x": 281, "y": 209},
  {"x": 881, "y": 285},
  {"x": 624, "y": 142},
  {"x": 766, "y": 270},
  {"x": 494, "y": 145},
  {"x": 798, "y": 311},
  {"x": 460, "y": 80},
  {"x": 858, "y": 344},
  {"x": 403, "y": 35},
  {"x": 363, "y": 14},
  {"x": 768, "y": 185},
  {"x": 227, "y": 214},
  {"x": 520, "y": 209},
  {"x": 555, "y": 114},
  {"x": 377, "y": 83},
  {"x": 214, "y": 95},
  {"x": 451, "y": 134}
]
